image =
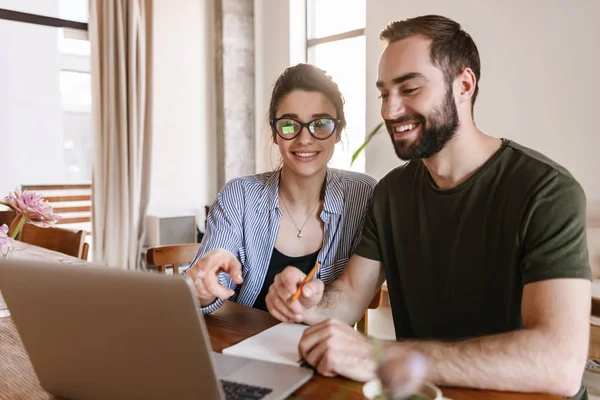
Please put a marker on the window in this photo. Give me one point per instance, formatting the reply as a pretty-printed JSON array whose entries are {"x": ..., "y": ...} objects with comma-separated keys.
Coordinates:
[
  {"x": 45, "y": 107},
  {"x": 336, "y": 44}
]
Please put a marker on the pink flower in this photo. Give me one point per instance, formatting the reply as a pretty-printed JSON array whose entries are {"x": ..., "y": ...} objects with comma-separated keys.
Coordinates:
[
  {"x": 6, "y": 242},
  {"x": 31, "y": 204}
]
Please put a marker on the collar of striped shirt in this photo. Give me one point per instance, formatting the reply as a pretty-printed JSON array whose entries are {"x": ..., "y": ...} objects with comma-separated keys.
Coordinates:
[{"x": 334, "y": 194}]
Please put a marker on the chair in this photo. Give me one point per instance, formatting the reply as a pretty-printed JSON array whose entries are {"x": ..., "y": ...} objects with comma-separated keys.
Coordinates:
[
  {"x": 161, "y": 256},
  {"x": 363, "y": 324},
  {"x": 6, "y": 217},
  {"x": 65, "y": 241},
  {"x": 85, "y": 251}
]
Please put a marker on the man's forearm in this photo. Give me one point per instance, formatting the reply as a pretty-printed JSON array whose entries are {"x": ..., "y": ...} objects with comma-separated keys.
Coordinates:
[
  {"x": 338, "y": 302},
  {"x": 524, "y": 361}
]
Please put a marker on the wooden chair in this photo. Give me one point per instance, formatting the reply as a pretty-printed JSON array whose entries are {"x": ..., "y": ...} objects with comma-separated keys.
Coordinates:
[
  {"x": 162, "y": 256},
  {"x": 58, "y": 239},
  {"x": 7, "y": 216},
  {"x": 85, "y": 251},
  {"x": 363, "y": 324}
]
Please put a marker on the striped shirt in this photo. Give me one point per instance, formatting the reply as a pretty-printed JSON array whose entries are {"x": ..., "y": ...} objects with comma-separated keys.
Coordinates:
[{"x": 244, "y": 220}]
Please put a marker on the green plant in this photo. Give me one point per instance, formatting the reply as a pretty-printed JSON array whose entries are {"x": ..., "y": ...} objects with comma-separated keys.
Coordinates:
[{"x": 375, "y": 131}]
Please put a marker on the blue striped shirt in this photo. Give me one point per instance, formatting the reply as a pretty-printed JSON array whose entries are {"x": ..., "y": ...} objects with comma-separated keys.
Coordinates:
[{"x": 244, "y": 220}]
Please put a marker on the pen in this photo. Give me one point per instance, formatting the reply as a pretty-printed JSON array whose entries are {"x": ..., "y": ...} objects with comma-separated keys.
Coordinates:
[
  {"x": 317, "y": 265},
  {"x": 307, "y": 279}
]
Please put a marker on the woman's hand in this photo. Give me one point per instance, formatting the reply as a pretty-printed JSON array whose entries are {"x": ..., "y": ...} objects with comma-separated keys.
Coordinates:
[{"x": 205, "y": 275}]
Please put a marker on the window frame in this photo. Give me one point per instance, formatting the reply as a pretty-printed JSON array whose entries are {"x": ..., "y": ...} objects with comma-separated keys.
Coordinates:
[
  {"x": 18, "y": 16},
  {"x": 312, "y": 43}
]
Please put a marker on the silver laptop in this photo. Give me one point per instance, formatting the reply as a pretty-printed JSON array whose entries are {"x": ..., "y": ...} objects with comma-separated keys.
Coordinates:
[{"x": 102, "y": 333}]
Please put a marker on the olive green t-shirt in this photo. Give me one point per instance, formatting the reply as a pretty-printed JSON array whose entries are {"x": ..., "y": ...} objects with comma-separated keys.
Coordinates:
[{"x": 456, "y": 260}]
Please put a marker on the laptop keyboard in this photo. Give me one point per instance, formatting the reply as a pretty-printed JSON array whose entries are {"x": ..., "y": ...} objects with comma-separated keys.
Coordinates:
[{"x": 240, "y": 391}]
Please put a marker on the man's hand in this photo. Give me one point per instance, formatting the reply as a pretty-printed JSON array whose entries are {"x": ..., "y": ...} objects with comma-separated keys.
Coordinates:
[
  {"x": 279, "y": 299},
  {"x": 335, "y": 348},
  {"x": 205, "y": 274},
  {"x": 401, "y": 371}
]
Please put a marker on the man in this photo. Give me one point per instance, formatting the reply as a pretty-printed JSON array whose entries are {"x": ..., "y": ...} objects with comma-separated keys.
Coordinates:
[{"x": 481, "y": 240}]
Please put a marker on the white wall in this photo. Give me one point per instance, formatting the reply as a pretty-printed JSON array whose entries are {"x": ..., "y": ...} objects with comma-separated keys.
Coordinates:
[
  {"x": 539, "y": 85},
  {"x": 31, "y": 130},
  {"x": 272, "y": 56},
  {"x": 184, "y": 141},
  {"x": 280, "y": 41}
]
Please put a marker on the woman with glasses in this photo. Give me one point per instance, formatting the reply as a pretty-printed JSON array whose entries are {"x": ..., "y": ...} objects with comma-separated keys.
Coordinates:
[{"x": 300, "y": 214}]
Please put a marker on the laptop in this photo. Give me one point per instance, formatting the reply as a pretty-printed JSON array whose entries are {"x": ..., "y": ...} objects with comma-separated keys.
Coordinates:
[{"x": 103, "y": 333}]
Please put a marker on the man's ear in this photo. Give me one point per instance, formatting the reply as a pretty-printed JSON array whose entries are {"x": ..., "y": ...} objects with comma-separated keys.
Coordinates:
[{"x": 466, "y": 83}]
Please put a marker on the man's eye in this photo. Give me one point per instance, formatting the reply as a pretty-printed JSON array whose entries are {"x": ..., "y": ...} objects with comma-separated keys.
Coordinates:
[
  {"x": 409, "y": 91},
  {"x": 382, "y": 96}
]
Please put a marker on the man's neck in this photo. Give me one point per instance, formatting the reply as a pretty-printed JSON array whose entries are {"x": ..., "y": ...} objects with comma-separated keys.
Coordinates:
[
  {"x": 301, "y": 192},
  {"x": 461, "y": 157}
]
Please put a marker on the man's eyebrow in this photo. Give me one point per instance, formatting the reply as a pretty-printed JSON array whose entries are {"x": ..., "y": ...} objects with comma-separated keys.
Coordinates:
[{"x": 403, "y": 78}]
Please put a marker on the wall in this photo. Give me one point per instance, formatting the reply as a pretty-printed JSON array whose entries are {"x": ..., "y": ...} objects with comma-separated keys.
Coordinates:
[
  {"x": 31, "y": 130},
  {"x": 539, "y": 83},
  {"x": 280, "y": 35},
  {"x": 272, "y": 56},
  {"x": 184, "y": 142}
]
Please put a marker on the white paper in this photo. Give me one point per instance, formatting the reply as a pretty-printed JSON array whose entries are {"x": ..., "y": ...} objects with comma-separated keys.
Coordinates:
[{"x": 278, "y": 344}]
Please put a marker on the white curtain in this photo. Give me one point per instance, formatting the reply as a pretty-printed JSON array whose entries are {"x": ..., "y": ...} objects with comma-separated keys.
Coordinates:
[{"x": 121, "y": 39}]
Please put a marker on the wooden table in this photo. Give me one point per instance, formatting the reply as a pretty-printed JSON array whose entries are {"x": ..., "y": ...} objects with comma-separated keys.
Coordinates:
[{"x": 229, "y": 325}]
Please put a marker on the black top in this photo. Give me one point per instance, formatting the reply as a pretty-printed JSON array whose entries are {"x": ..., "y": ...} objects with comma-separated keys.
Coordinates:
[
  {"x": 456, "y": 261},
  {"x": 279, "y": 262}
]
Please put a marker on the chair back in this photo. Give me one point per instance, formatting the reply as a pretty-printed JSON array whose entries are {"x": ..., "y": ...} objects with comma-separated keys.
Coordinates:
[
  {"x": 65, "y": 241},
  {"x": 363, "y": 324},
  {"x": 162, "y": 256},
  {"x": 7, "y": 216}
]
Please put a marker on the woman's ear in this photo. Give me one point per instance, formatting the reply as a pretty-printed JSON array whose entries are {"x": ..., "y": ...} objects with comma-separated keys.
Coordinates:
[{"x": 338, "y": 136}]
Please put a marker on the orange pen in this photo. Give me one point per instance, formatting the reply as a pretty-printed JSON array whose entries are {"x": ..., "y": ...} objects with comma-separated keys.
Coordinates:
[{"x": 307, "y": 279}]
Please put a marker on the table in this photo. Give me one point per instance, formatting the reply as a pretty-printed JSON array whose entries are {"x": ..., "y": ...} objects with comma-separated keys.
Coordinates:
[{"x": 231, "y": 324}]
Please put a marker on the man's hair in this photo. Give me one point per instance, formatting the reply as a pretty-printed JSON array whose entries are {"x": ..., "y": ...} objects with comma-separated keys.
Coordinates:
[{"x": 452, "y": 49}]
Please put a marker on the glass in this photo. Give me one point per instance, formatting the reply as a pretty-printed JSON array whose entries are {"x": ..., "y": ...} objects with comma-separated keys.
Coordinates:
[
  {"x": 329, "y": 17},
  {"x": 76, "y": 91},
  {"x": 45, "y": 109},
  {"x": 345, "y": 62},
  {"x": 74, "y": 42},
  {"x": 289, "y": 128},
  {"x": 71, "y": 10}
]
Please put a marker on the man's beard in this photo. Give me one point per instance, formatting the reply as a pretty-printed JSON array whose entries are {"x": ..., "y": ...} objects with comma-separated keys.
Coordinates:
[{"x": 436, "y": 131}]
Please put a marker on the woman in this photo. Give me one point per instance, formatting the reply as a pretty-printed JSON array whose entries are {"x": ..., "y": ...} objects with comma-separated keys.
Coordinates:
[{"x": 299, "y": 214}]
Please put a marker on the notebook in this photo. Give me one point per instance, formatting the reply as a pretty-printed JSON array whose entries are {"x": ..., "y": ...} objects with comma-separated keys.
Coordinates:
[{"x": 278, "y": 344}]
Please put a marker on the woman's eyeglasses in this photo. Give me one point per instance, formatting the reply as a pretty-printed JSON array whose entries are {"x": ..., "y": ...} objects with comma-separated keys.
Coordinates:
[{"x": 289, "y": 128}]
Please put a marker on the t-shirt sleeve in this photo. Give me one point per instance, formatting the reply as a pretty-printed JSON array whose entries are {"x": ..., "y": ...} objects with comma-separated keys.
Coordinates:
[
  {"x": 554, "y": 235},
  {"x": 369, "y": 244}
]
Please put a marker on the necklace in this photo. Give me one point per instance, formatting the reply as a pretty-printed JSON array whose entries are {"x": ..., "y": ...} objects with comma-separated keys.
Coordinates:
[{"x": 299, "y": 235}]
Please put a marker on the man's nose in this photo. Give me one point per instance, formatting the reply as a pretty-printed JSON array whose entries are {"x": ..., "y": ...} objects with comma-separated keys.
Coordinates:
[{"x": 392, "y": 108}]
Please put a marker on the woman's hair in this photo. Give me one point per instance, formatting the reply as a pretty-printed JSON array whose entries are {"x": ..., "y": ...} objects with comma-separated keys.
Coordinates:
[{"x": 311, "y": 79}]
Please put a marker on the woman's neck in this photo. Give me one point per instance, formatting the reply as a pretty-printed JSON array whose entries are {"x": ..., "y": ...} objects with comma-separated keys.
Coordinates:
[{"x": 300, "y": 191}]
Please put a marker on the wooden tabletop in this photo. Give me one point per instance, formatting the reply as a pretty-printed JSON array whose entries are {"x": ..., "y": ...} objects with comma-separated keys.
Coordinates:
[{"x": 231, "y": 324}]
